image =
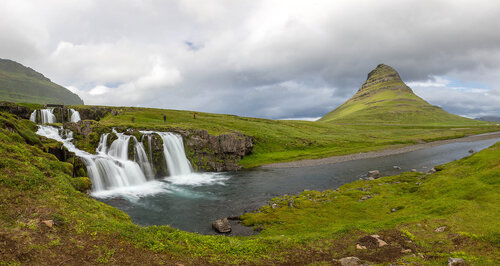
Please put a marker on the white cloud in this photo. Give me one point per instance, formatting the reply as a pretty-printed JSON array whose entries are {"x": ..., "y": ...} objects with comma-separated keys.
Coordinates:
[{"x": 257, "y": 58}]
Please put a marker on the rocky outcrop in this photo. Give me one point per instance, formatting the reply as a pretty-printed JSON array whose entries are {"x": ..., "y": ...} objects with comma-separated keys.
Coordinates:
[
  {"x": 95, "y": 112},
  {"x": 21, "y": 111},
  {"x": 217, "y": 153}
]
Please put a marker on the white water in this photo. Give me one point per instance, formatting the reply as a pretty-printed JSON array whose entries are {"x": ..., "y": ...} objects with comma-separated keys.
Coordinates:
[
  {"x": 173, "y": 148},
  {"x": 46, "y": 115},
  {"x": 74, "y": 115},
  {"x": 112, "y": 173}
]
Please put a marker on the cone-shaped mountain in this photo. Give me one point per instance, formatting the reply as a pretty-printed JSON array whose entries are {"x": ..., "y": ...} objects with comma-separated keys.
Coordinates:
[{"x": 385, "y": 99}]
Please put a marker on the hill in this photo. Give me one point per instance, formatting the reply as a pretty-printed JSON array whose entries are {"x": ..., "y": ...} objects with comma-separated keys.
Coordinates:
[
  {"x": 385, "y": 99},
  {"x": 23, "y": 84}
]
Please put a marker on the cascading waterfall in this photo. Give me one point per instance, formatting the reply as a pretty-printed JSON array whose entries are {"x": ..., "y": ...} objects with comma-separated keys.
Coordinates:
[
  {"x": 74, "y": 115},
  {"x": 111, "y": 168},
  {"x": 46, "y": 116},
  {"x": 173, "y": 148},
  {"x": 142, "y": 159}
]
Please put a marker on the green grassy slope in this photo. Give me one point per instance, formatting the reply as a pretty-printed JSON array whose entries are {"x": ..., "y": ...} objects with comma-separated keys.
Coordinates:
[
  {"x": 22, "y": 84},
  {"x": 385, "y": 99},
  {"x": 320, "y": 226},
  {"x": 286, "y": 140}
]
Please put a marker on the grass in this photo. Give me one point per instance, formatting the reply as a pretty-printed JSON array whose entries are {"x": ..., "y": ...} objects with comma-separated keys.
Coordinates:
[
  {"x": 287, "y": 140},
  {"x": 35, "y": 186}
]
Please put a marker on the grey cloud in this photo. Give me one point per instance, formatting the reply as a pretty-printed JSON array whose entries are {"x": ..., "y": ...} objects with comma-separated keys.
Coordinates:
[{"x": 256, "y": 58}]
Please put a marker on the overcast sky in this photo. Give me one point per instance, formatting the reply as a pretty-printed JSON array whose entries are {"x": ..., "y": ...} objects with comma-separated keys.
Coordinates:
[{"x": 271, "y": 59}]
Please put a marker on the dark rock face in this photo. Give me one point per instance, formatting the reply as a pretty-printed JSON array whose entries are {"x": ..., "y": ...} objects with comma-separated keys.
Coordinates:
[
  {"x": 21, "y": 111},
  {"x": 94, "y": 112},
  {"x": 222, "y": 225},
  {"x": 217, "y": 153}
]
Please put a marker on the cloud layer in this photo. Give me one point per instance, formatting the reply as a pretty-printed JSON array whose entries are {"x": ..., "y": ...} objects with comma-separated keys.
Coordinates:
[{"x": 271, "y": 59}]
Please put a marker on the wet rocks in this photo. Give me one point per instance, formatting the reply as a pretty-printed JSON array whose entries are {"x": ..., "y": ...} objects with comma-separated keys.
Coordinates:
[
  {"x": 432, "y": 171},
  {"x": 222, "y": 225},
  {"x": 471, "y": 151},
  {"x": 373, "y": 174}
]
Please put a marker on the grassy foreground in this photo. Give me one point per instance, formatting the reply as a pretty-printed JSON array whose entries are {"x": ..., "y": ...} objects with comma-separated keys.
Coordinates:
[
  {"x": 287, "y": 140},
  {"x": 317, "y": 226}
]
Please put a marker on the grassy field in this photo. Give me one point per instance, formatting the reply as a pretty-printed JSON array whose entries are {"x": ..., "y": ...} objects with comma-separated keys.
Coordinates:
[
  {"x": 288, "y": 140},
  {"x": 316, "y": 228}
]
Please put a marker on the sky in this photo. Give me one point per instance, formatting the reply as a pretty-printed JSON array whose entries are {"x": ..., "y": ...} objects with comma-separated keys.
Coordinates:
[{"x": 269, "y": 59}]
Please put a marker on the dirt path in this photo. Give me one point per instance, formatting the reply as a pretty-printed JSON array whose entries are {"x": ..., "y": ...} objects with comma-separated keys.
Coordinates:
[{"x": 374, "y": 154}]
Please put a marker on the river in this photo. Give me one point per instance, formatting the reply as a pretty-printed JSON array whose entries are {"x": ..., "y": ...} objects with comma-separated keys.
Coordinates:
[{"x": 192, "y": 207}]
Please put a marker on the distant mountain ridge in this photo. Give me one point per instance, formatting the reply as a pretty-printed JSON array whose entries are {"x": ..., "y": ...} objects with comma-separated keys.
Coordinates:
[
  {"x": 385, "y": 99},
  {"x": 19, "y": 83},
  {"x": 489, "y": 118}
]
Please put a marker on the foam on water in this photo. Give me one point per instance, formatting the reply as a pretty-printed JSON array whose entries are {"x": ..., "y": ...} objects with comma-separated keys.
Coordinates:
[{"x": 198, "y": 179}]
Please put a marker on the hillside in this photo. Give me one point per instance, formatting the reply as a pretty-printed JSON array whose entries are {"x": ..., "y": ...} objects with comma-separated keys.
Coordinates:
[
  {"x": 385, "y": 99},
  {"x": 46, "y": 220},
  {"x": 23, "y": 84},
  {"x": 283, "y": 140}
]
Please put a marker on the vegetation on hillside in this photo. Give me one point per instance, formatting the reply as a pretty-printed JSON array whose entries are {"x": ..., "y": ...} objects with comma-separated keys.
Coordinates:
[
  {"x": 288, "y": 140},
  {"x": 385, "y": 99},
  {"x": 22, "y": 84},
  {"x": 316, "y": 227}
]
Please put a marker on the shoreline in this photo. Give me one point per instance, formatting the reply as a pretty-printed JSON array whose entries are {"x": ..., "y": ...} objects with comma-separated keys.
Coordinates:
[{"x": 375, "y": 154}]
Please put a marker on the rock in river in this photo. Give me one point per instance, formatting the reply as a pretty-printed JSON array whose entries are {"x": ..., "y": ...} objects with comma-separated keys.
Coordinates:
[{"x": 222, "y": 225}]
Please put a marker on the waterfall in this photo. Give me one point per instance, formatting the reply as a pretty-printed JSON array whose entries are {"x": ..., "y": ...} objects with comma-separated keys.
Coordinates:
[
  {"x": 103, "y": 144},
  {"x": 142, "y": 159},
  {"x": 46, "y": 115},
  {"x": 173, "y": 148},
  {"x": 33, "y": 117},
  {"x": 110, "y": 168},
  {"x": 74, "y": 115},
  {"x": 106, "y": 171}
]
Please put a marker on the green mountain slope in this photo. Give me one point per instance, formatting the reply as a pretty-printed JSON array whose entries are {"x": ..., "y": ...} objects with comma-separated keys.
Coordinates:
[
  {"x": 385, "y": 99},
  {"x": 22, "y": 84}
]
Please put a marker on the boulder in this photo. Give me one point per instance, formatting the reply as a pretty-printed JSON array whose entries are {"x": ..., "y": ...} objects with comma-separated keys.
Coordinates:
[
  {"x": 349, "y": 261},
  {"x": 432, "y": 171},
  {"x": 456, "y": 262},
  {"x": 222, "y": 225},
  {"x": 440, "y": 229},
  {"x": 373, "y": 174},
  {"x": 48, "y": 223}
]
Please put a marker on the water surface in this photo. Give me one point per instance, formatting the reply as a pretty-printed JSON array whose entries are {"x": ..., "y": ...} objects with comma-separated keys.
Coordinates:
[{"x": 192, "y": 206}]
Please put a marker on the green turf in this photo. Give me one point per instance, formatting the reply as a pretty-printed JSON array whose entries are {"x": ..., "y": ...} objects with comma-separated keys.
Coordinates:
[
  {"x": 35, "y": 186},
  {"x": 288, "y": 140}
]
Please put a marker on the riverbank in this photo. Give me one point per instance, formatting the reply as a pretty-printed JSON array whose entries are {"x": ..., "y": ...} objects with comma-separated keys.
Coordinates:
[
  {"x": 375, "y": 154},
  {"x": 45, "y": 220}
]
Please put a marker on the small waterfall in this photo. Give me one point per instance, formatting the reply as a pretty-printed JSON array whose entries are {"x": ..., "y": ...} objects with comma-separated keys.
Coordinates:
[
  {"x": 173, "y": 148},
  {"x": 142, "y": 159},
  {"x": 33, "y": 116},
  {"x": 74, "y": 115},
  {"x": 103, "y": 144},
  {"x": 46, "y": 116}
]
